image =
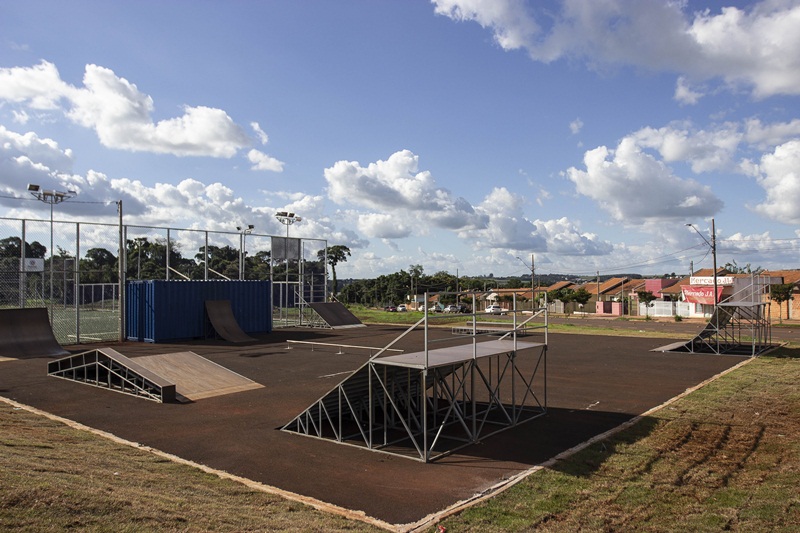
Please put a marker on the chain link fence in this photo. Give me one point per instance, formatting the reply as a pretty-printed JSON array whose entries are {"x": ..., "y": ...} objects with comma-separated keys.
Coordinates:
[{"x": 73, "y": 270}]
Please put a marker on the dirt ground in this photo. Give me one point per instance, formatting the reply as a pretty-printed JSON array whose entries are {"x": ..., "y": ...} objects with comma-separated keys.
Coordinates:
[{"x": 594, "y": 384}]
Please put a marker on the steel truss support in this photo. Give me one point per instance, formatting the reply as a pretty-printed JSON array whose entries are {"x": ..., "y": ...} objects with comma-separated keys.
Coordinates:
[
  {"x": 109, "y": 369},
  {"x": 386, "y": 408},
  {"x": 735, "y": 329}
]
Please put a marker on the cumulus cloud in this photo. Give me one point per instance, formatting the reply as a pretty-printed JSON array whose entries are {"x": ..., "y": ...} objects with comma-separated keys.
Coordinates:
[
  {"x": 704, "y": 150},
  {"x": 382, "y": 225},
  {"x": 758, "y": 46},
  {"x": 513, "y": 27},
  {"x": 405, "y": 201},
  {"x": 576, "y": 126},
  {"x": 767, "y": 136},
  {"x": 634, "y": 187},
  {"x": 779, "y": 175},
  {"x": 565, "y": 238},
  {"x": 396, "y": 185},
  {"x": 684, "y": 94},
  {"x": 262, "y": 161},
  {"x": 121, "y": 115}
]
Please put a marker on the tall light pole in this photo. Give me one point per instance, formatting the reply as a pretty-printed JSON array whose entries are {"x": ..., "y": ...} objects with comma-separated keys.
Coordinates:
[
  {"x": 287, "y": 219},
  {"x": 243, "y": 232},
  {"x": 713, "y": 245},
  {"x": 50, "y": 197},
  {"x": 139, "y": 241}
]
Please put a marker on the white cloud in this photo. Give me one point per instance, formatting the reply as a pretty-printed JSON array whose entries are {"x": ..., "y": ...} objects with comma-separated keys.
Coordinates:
[
  {"x": 635, "y": 188},
  {"x": 684, "y": 94},
  {"x": 576, "y": 126},
  {"x": 767, "y": 136},
  {"x": 39, "y": 86},
  {"x": 262, "y": 136},
  {"x": 20, "y": 117},
  {"x": 43, "y": 151},
  {"x": 262, "y": 161},
  {"x": 780, "y": 178},
  {"x": 511, "y": 24},
  {"x": 565, "y": 238},
  {"x": 758, "y": 46},
  {"x": 121, "y": 115},
  {"x": 383, "y": 226},
  {"x": 704, "y": 150},
  {"x": 505, "y": 225},
  {"x": 397, "y": 186}
]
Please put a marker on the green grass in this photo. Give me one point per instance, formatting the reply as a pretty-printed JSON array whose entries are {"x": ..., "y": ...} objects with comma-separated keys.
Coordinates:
[{"x": 726, "y": 457}]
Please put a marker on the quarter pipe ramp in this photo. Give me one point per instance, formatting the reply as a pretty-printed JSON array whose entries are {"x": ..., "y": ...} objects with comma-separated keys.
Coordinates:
[
  {"x": 222, "y": 319},
  {"x": 26, "y": 333}
]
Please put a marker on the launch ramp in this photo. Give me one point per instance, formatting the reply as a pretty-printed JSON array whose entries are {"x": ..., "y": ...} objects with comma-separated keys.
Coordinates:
[
  {"x": 181, "y": 376},
  {"x": 222, "y": 319},
  {"x": 735, "y": 328},
  {"x": 109, "y": 369},
  {"x": 27, "y": 333},
  {"x": 335, "y": 315},
  {"x": 427, "y": 404}
]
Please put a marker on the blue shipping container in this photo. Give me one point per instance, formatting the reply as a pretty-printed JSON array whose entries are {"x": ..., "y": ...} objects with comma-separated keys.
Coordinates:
[{"x": 162, "y": 311}]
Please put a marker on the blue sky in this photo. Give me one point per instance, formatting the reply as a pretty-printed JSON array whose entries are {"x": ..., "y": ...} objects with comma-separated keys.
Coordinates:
[{"x": 455, "y": 134}]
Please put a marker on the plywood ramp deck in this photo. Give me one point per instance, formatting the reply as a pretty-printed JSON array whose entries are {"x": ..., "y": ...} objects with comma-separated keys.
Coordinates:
[{"x": 196, "y": 377}]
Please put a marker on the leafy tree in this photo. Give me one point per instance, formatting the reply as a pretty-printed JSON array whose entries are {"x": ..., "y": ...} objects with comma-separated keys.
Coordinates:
[
  {"x": 647, "y": 297},
  {"x": 514, "y": 283},
  {"x": 336, "y": 254},
  {"x": 733, "y": 268},
  {"x": 781, "y": 292},
  {"x": 581, "y": 296},
  {"x": 564, "y": 294},
  {"x": 10, "y": 247},
  {"x": 99, "y": 266}
]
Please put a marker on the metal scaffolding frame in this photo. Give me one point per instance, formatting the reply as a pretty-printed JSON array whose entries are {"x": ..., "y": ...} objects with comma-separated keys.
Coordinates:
[
  {"x": 107, "y": 368},
  {"x": 740, "y": 325},
  {"x": 427, "y": 404}
]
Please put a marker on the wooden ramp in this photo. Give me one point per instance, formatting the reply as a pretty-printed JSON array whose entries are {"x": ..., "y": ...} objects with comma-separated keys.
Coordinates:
[
  {"x": 222, "y": 319},
  {"x": 108, "y": 369},
  {"x": 335, "y": 315},
  {"x": 27, "y": 333},
  {"x": 196, "y": 377},
  {"x": 182, "y": 376}
]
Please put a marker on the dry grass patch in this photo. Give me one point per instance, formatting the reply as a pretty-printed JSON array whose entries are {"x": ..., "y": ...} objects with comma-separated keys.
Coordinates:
[{"x": 55, "y": 477}]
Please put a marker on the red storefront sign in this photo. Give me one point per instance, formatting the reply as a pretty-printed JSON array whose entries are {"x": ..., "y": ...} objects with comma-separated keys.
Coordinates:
[{"x": 700, "y": 295}]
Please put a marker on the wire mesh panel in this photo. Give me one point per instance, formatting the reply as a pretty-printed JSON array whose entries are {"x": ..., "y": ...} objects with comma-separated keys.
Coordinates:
[{"x": 72, "y": 269}]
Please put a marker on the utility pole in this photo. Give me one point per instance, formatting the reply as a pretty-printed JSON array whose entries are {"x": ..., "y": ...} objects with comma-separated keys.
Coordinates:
[{"x": 533, "y": 288}]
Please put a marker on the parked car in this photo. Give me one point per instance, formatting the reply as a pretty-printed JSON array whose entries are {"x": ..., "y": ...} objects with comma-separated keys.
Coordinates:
[
  {"x": 390, "y": 308},
  {"x": 452, "y": 309},
  {"x": 401, "y": 308},
  {"x": 495, "y": 310}
]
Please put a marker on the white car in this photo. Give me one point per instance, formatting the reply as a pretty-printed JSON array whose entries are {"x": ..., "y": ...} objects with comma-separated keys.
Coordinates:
[
  {"x": 401, "y": 308},
  {"x": 495, "y": 310}
]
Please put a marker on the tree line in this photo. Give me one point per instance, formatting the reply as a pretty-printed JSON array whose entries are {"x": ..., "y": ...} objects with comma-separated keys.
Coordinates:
[{"x": 146, "y": 259}]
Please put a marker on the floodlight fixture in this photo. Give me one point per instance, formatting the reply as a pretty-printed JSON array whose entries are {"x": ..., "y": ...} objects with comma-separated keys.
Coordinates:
[{"x": 50, "y": 197}]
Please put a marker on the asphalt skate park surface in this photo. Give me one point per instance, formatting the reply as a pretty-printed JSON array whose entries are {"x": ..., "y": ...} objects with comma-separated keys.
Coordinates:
[{"x": 594, "y": 383}]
